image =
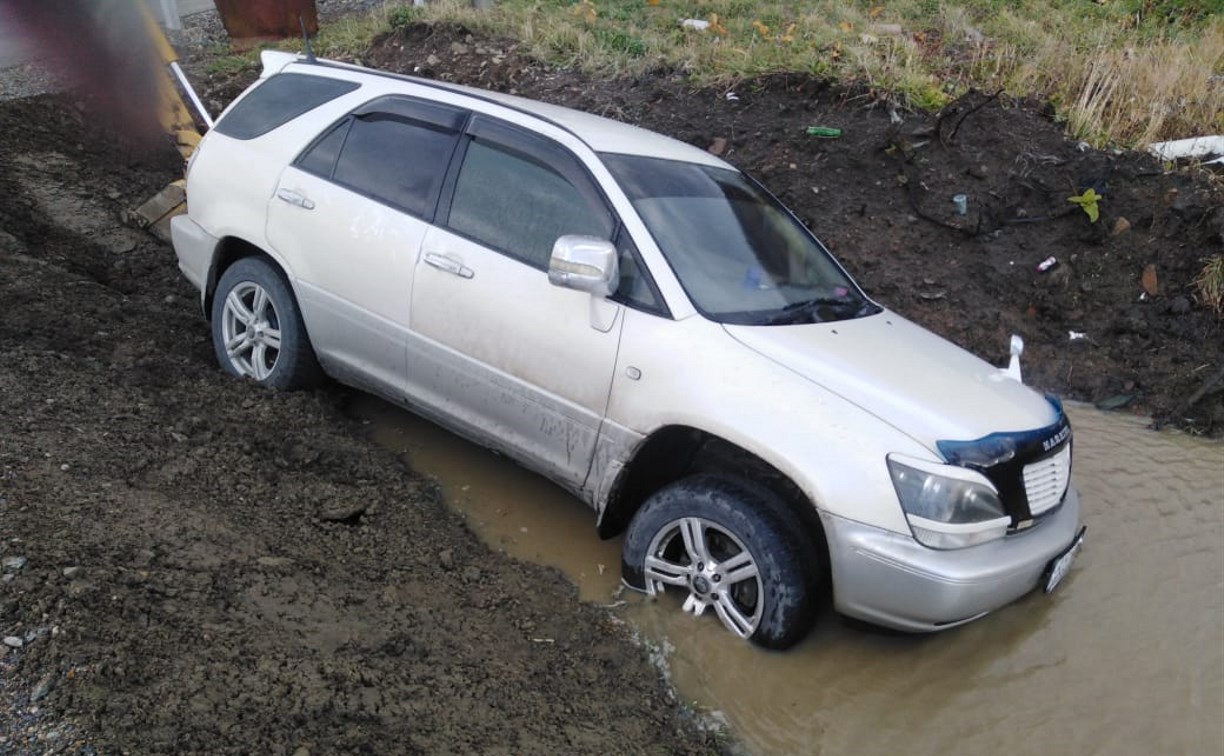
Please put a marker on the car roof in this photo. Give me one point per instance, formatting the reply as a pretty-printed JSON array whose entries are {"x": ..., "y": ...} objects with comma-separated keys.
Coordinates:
[{"x": 599, "y": 133}]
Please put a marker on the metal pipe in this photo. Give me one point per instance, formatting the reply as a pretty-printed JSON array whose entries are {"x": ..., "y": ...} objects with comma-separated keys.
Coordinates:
[{"x": 195, "y": 100}]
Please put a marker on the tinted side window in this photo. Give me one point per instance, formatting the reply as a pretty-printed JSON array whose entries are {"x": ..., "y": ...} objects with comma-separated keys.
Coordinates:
[
  {"x": 520, "y": 203},
  {"x": 279, "y": 100},
  {"x": 398, "y": 162},
  {"x": 635, "y": 286},
  {"x": 320, "y": 158}
]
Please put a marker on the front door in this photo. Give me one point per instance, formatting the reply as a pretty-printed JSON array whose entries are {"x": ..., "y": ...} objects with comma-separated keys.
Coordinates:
[{"x": 524, "y": 365}]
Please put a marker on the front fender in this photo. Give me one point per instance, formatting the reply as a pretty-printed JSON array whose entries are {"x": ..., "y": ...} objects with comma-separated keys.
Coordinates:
[{"x": 691, "y": 373}]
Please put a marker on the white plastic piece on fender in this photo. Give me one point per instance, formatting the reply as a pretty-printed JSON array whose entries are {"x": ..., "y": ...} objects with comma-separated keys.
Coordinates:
[{"x": 1013, "y": 367}]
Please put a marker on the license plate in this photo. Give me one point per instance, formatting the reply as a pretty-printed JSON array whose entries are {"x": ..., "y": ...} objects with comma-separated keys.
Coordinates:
[{"x": 1061, "y": 564}]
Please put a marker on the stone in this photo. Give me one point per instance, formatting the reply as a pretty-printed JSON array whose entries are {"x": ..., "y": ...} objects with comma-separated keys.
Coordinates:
[
  {"x": 471, "y": 574},
  {"x": 446, "y": 559},
  {"x": 13, "y": 563},
  {"x": 1148, "y": 280},
  {"x": 70, "y": 572},
  {"x": 346, "y": 512},
  {"x": 12, "y": 641},
  {"x": 1120, "y": 226},
  {"x": 43, "y": 688}
]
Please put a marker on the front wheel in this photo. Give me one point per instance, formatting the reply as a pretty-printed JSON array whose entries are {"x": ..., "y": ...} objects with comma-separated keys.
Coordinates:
[
  {"x": 257, "y": 330},
  {"x": 726, "y": 546}
]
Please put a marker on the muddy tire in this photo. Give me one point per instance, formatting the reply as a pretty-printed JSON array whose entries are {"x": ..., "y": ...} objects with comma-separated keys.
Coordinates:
[
  {"x": 257, "y": 330},
  {"x": 729, "y": 546}
]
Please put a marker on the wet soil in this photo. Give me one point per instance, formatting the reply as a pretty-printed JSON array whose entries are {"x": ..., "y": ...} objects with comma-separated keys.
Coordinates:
[
  {"x": 194, "y": 565},
  {"x": 880, "y": 197}
]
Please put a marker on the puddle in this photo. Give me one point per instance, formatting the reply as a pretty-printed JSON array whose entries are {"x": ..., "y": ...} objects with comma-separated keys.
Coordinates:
[
  {"x": 513, "y": 510},
  {"x": 1126, "y": 657}
]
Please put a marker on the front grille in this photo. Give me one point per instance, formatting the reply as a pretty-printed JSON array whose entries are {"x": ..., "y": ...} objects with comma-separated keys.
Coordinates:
[{"x": 1046, "y": 481}]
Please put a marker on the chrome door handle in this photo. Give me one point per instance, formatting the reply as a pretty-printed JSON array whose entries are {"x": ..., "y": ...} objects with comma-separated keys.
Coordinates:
[
  {"x": 293, "y": 198},
  {"x": 448, "y": 264}
]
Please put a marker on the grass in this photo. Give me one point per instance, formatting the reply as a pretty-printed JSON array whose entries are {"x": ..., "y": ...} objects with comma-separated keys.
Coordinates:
[
  {"x": 1210, "y": 284},
  {"x": 1125, "y": 72}
]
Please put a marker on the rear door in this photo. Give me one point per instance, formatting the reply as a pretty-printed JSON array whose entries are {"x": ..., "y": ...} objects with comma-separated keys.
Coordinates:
[
  {"x": 522, "y": 364},
  {"x": 350, "y": 214}
]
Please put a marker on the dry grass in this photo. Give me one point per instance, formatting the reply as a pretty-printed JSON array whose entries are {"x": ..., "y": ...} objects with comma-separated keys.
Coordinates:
[
  {"x": 1210, "y": 284},
  {"x": 1133, "y": 94},
  {"x": 1119, "y": 71}
]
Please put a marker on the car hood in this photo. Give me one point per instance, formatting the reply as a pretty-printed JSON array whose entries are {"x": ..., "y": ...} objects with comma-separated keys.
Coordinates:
[{"x": 921, "y": 384}]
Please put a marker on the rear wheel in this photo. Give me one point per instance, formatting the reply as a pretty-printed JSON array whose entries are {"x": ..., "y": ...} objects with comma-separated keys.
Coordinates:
[
  {"x": 257, "y": 330},
  {"x": 725, "y": 546}
]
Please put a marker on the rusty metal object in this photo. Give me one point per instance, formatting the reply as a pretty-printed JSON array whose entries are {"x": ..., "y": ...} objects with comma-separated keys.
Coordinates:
[{"x": 256, "y": 19}]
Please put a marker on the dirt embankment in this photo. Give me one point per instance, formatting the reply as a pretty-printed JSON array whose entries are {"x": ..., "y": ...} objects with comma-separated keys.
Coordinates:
[
  {"x": 881, "y": 197},
  {"x": 192, "y": 564}
]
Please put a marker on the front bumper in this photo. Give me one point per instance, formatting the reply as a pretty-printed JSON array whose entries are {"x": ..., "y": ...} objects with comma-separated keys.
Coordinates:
[{"x": 892, "y": 580}]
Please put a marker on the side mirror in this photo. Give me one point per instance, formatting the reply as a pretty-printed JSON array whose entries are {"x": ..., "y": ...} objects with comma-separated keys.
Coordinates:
[{"x": 584, "y": 263}]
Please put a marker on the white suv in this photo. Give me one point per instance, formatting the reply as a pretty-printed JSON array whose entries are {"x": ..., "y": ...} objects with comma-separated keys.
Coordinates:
[{"x": 640, "y": 322}]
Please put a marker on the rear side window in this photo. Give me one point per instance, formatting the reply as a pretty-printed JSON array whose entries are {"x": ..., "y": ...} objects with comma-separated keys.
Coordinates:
[
  {"x": 279, "y": 100},
  {"x": 518, "y": 194},
  {"x": 320, "y": 158},
  {"x": 398, "y": 162}
]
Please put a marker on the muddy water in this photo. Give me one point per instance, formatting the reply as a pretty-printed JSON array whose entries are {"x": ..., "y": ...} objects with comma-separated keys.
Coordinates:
[{"x": 1126, "y": 657}]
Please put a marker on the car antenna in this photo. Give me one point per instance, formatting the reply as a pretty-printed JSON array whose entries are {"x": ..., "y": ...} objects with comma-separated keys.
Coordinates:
[{"x": 310, "y": 56}]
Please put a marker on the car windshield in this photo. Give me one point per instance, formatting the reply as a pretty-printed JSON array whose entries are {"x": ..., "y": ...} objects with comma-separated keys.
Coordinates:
[{"x": 739, "y": 254}]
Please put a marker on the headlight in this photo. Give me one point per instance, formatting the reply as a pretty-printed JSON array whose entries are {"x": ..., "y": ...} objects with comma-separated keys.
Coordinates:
[{"x": 948, "y": 507}]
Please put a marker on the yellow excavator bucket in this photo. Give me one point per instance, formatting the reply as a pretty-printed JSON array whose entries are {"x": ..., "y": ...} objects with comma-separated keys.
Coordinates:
[{"x": 173, "y": 114}]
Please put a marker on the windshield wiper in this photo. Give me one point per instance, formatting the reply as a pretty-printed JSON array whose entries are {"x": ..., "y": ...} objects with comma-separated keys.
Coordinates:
[{"x": 798, "y": 312}]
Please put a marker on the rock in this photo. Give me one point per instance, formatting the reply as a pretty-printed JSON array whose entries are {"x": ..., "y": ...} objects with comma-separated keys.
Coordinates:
[
  {"x": 1180, "y": 306},
  {"x": 1120, "y": 226},
  {"x": 43, "y": 688},
  {"x": 12, "y": 641},
  {"x": 71, "y": 572},
  {"x": 432, "y": 60},
  {"x": 471, "y": 574},
  {"x": 459, "y": 48},
  {"x": 1148, "y": 280},
  {"x": 718, "y": 146},
  {"x": 446, "y": 559},
  {"x": 1115, "y": 402},
  {"x": 273, "y": 561},
  {"x": 346, "y": 512},
  {"x": 302, "y": 751},
  {"x": 13, "y": 563}
]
